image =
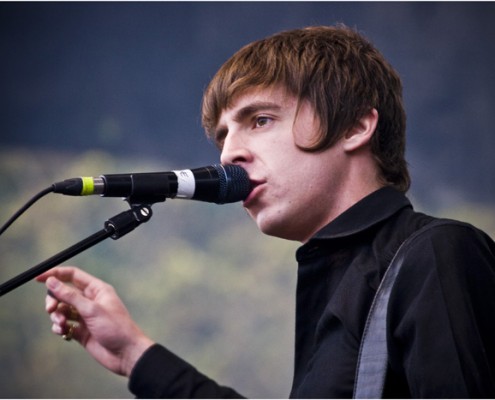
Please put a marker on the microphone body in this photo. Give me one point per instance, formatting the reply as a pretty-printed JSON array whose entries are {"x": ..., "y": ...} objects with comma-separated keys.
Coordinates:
[{"x": 215, "y": 184}]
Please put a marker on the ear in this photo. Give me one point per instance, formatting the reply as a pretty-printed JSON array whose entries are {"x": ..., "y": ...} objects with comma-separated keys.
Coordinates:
[{"x": 362, "y": 132}]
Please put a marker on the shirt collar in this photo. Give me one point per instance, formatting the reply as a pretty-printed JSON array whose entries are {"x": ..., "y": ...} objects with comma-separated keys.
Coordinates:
[{"x": 369, "y": 211}]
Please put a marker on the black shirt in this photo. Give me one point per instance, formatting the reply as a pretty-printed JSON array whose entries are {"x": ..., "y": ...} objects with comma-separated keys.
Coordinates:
[{"x": 441, "y": 316}]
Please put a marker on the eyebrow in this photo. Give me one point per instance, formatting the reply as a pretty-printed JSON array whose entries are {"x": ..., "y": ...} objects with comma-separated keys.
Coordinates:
[
  {"x": 255, "y": 107},
  {"x": 245, "y": 112}
]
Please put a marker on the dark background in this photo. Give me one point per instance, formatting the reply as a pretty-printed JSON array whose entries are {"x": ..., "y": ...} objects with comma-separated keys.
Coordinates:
[
  {"x": 93, "y": 88},
  {"x": 128, "y": 77}
]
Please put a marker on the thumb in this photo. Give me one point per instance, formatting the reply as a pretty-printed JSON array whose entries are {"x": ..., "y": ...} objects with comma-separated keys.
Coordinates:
[{"x": 67, "y": 294}]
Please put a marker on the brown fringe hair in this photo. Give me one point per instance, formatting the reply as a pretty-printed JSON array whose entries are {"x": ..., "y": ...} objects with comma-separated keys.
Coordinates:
[{"x": 339, "y": 72}]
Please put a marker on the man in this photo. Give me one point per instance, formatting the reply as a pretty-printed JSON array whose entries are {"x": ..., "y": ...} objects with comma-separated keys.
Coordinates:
[{"x": 315, "y": 117}]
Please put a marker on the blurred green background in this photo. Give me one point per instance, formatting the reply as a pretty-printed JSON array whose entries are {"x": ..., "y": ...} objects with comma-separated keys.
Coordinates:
[
  {"x": 95, "y": 88},
  {"x": 198, "y": 278}
]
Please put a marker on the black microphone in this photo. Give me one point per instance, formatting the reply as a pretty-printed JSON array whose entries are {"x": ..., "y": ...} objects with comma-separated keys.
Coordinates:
[{"x": 215, "y": 184}]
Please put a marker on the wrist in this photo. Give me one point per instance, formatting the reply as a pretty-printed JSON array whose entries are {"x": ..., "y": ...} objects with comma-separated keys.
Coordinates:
[{"x": 134, "y": 353}]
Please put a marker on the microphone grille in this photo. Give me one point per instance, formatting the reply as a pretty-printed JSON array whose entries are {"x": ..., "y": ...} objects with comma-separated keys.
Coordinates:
[{"x": 234, "y": 183}]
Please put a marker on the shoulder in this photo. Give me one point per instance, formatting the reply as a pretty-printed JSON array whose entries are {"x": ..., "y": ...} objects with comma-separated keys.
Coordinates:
[
  {"x": 444, "y": 244},
  {"x": 440, "y": 324},
  {"x": 448, "y": 267},
  {"x": 440, "y": 314}
]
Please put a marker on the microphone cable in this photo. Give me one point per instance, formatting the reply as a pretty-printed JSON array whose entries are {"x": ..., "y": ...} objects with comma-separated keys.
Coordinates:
[
  {"x": 25, "y": 207},
  {"x": 217, "y": 184}
]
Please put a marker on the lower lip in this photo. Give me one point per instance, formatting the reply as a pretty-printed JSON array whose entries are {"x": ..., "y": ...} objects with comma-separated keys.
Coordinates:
[{"x": 252, "y": 196}]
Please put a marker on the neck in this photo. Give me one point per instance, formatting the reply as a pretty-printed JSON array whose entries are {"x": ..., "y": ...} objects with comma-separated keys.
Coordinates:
[{"x": 360, "y": 180}]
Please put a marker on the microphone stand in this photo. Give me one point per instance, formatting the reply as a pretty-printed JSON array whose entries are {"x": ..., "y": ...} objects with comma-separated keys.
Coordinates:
[{"x": 115, "y": 228}]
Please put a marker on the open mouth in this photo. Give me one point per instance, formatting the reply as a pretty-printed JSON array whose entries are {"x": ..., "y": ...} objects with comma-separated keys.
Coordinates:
[{"x": 256, "y": 187}]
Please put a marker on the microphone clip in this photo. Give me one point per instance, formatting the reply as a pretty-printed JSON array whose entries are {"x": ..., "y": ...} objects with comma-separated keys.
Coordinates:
[
  {"x": 114, "y": 228},
  {"x": 127, "y": 221}
]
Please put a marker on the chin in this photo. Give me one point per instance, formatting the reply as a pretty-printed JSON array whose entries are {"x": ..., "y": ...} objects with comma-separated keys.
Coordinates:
[
  {"x": 277, "y": 229},
  {"x": 268, "y": 227}
]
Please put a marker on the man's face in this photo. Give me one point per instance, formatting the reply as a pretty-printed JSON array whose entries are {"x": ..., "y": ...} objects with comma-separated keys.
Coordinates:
[{"x": 295, "y": 192}]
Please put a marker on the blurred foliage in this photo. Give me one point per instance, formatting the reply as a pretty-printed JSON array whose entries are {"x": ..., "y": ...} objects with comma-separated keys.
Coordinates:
[{"x": 199, "y": 278}]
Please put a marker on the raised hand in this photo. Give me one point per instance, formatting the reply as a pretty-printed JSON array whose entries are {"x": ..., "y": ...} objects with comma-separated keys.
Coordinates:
[{"x": 84, "y": 308}]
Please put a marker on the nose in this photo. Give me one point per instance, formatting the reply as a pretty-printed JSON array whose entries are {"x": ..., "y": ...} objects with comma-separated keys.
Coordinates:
[{"x": 235, "y": 149}]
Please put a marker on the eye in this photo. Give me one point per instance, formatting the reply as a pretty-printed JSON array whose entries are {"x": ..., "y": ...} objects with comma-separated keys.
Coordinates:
[{"x": 262, "y": 121}]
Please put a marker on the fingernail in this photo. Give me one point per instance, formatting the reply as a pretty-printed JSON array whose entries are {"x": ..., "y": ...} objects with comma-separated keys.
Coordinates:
[{"x": 52, "y": 283}]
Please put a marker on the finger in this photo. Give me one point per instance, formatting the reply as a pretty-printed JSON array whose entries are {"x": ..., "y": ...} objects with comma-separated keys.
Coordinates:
[
  {"x": 79, "y": 278},
  {"x": 57, "y": 329},
  {"x": 58, "y": 318},
  {"x": 68, "y": 294},
  {"x": 51, "y": 272},
  {"x": 63, "y": 273},
  {"x": 51, "y": 303},
  {"x": 67, "y": 323},
  {"x": 68, "y": 331},
  {"x": 70, "y": 312}
]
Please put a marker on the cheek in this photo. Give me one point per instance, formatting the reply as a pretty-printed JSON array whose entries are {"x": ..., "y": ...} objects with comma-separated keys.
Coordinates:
[{"x": 307, "y": 130}]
